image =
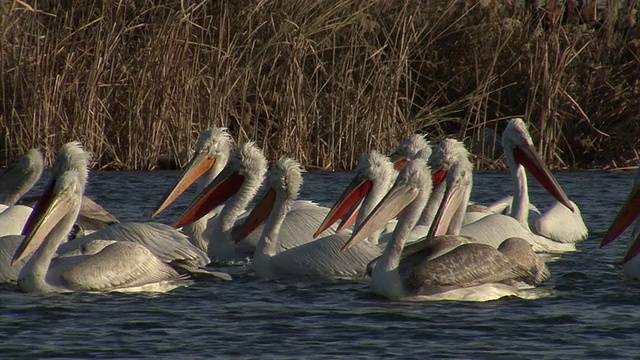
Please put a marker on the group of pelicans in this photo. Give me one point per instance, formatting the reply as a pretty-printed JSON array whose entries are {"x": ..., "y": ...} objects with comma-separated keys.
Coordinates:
[{"x": 404, "y": 223}]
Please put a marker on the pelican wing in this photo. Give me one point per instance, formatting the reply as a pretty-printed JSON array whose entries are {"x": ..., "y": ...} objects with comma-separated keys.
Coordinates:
[
  {"x": 119, "y": 265},
  {"x": 165, "y": 242},
  {"x": 8, "y": 247},
  {"x": 466, "y": 265},
  {"x": 93, "y": 216}
]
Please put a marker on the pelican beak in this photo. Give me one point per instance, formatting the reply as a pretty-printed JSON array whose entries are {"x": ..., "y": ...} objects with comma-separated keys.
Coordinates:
[
  {"x": 400, "y": 164},
  {"x": 221, "y": 188},
  {"x": 198, "y": 165},
  {"x": 350, "y": 219},
  {"x": 257, "y": 216},
  {"x": 438, "y": 176},
  {"x": 399, "y": 197},
  {"x": 627, "y": 215},
  {"x": 49, "y": 210},
  {"x": 451, "y": 202},
  {"x": 355, "y": 192},
  {"x": 525, "y": 155}
]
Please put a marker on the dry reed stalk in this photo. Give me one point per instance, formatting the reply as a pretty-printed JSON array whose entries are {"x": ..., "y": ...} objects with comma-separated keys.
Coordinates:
[{"x": 322, "y": 81}]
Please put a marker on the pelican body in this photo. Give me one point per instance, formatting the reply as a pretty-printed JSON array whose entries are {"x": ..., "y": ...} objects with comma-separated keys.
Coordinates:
[{"x": 321, "y": 258}]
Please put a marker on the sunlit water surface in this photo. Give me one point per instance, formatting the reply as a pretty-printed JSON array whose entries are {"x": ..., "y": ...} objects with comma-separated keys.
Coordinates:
[{"x": 595, "y": 313}]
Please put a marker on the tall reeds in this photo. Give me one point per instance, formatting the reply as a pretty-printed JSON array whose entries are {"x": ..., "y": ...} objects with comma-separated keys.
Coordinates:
[{"x": 323, "y": 81}]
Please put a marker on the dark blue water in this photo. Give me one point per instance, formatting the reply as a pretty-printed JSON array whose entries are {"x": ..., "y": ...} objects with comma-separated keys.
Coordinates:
[{"x": 593, "y": 315}]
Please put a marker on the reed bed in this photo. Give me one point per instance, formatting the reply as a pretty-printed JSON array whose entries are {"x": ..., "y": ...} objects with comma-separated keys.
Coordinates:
[{"x": 322, "y": 81}]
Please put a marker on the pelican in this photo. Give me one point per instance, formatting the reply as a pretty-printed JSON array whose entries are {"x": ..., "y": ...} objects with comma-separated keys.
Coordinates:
[
  {"x": 629, "y": 213},
  {"x": 467, "y": 271},
  {"x": 211, "y": 155},
  {"x": 494, "y": 228},
  {"x": 104, "y": 266},
  {"x": 18, "y": 179},
  {"x": 320, "y": 259},
  {"x": 562, "y": 222},
  {"x": 238, "y": 183}
]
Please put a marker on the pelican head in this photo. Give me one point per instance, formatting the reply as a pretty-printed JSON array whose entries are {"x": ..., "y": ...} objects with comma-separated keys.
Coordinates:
[
  {"x": 519, "y": 151},
  {"x": 58, "y": 207},
  {"x": 211, "y": 154},
  {"x": 283, "y": 181},
  {"x": 459, "y": 178},
  {"x": 20, "y": 177},
  {"x": 373, "y": 171},
  {"x": 245, "y": 169},
  {"x": 629, "y": 213},
  {"x": 446, "y": 153},
  {"x": 408, "y": 149},
  {"x": 414, "y": 181}
]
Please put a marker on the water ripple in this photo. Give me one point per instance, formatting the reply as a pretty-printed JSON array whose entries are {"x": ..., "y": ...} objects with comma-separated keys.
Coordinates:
[{"x": 592, "y": 315}]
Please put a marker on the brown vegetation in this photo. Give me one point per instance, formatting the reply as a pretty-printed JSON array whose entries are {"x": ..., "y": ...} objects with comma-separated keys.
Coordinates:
[{"x": 323, "y": 81}]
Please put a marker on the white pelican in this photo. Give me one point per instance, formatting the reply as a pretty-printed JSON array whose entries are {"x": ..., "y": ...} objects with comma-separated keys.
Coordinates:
[
  {"x": 18, "y": 179},
  {"x": 103, "y": 266},
  {"x": 321, "y": 258},
  {"x": 238, "y": 183},
  {"x": 629, "y": 213},
  {"x": 211, "y": 155},
  {"x": 562, "y": 222},
  {"x": 520, "y": 154},
  {"x": 467, "y": 271}
]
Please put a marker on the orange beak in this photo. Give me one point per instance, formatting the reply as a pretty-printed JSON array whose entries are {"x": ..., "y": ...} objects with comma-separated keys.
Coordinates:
[
  {"x": 198, "y": 166},
  {"x": 257, "y": 217},
  {"x": 350, "y": 219},
  {"x": 221, "y": 188},
  {"x": 350, "y": 197}
]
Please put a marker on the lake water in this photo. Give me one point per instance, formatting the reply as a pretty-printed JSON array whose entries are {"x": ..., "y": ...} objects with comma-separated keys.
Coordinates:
[{"x": 594, "y": 313}]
